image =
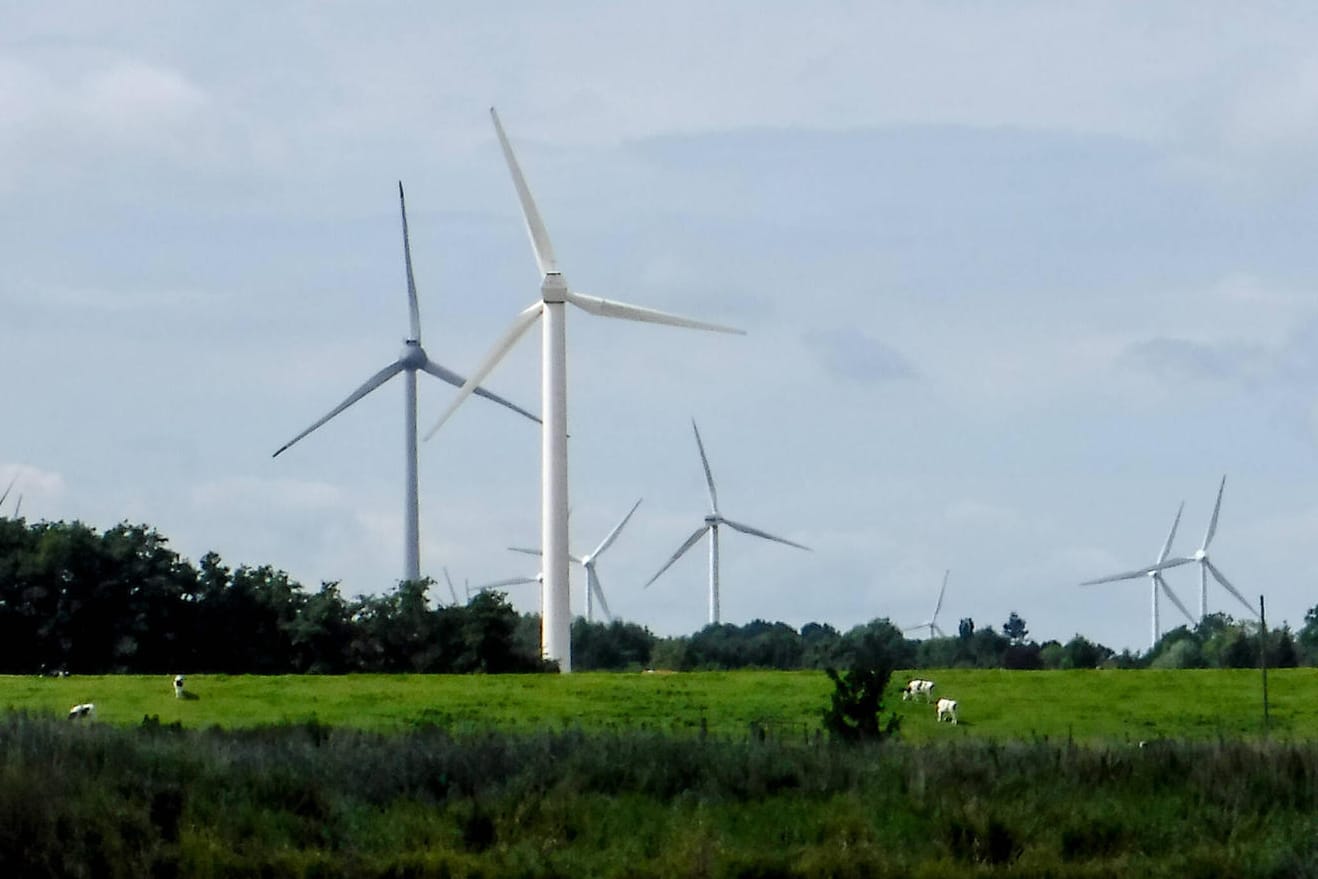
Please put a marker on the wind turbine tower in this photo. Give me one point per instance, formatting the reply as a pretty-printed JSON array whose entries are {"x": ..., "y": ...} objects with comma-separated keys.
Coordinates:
[
  {"x": 412, "y": 359},
  {"x": 555, "y": 294}
]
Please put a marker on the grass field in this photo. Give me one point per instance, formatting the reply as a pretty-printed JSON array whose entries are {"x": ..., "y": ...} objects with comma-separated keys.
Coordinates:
[{"x": 1090, "y": 705}]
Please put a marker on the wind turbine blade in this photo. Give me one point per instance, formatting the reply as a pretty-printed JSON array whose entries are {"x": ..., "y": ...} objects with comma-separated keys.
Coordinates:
[
  {"x": 520, "y": 325},
  {"x": 608, "y": 541},
  {"x": 451, "y": 590},
  {"x": 370, "y": 384},
  {"x": 511, "y": 581},
  {"x": 593, "y": 583},
  {"x": 524, "y": 549},
  {"x": 1167, "y": 547},
  {"x": 746, "y": 529},
  {"x": 1217, "y": 508},
  {"x": 10, "y": 487},
  {"x": 1172, "y": 595},
  {"x": 939, "y": 629},
  {"x": 1128, "y": 575},
  {"x": 458, "y": 381},
  {"x": 609, "y": 308},
  {"x": 941, "y": 592},
  {"x": 709, "y": 476},
  {"x": 413, "y": 310},
  {"x": 687, "y": 544},
  {"x": 544, "y": 251},
  {"x": 1226, "y": 584}
]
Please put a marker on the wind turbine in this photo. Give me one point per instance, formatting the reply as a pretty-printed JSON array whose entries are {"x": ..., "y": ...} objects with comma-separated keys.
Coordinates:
[
  {"x": 8, "y": 489},
  {"x": 1154, "y": 572},
  {"x": 556, "y": 623},
  {"x": 712, "y": 521},
  {"x": 1206, "y": 567},
  {"x": 451, "y": 591},
  {"x": 412, "y": 359},
  {"x": 932, "y": 622},
  {"x": 594, "y": 592}
]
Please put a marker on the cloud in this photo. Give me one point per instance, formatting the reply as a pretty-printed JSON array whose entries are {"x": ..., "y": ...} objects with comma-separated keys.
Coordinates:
[
  {"x": 1185, "y": 360},
  {"x": 854, "y": 355}
]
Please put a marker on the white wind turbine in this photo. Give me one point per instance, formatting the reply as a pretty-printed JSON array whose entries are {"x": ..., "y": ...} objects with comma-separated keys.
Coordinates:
[
  {"x": 594, "y": 591},
  {"x": 556, "y": 622},
  {"x": 1206, "y": 567},
  {"x": 712, "y": 521},
  {"x": 412, "y": 359},
  {"x": 1154, "y": 573},
  {"x": 932, "y": 622},
  {"x": 5, "y": 494}
]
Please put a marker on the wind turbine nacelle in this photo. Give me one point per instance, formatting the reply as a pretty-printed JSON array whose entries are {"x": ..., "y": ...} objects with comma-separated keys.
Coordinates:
[
  {"x": 413, "y": 357},
  {"x": 712, "y": 520},
  {"x": 553, "y": 288}
]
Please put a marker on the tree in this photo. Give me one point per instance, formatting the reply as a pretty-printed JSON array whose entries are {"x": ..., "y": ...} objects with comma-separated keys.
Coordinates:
[
  {"x": 1014, "y": 628},
  {"x": 856, "y": 703},
  {"x": 965, "y": 629}
]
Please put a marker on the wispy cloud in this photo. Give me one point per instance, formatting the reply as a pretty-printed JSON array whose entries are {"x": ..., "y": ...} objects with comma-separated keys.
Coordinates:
[{"x": 856, "y": 356}]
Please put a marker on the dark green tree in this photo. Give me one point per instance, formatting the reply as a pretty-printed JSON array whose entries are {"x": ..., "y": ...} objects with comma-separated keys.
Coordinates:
[{"x": 855, "y": 706}]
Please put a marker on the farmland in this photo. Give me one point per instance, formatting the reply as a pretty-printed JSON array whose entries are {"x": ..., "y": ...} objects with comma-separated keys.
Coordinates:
[
  {"x": 610, "y": 775},
  {"x": 1087, "y": 706}
]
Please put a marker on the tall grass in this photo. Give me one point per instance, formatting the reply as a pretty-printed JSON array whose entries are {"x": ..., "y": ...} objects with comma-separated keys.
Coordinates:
[{"x": 310, "y": 800}]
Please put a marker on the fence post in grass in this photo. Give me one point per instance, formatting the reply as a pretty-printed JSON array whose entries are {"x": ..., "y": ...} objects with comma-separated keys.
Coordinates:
[{"x": 1263, "y": 661}]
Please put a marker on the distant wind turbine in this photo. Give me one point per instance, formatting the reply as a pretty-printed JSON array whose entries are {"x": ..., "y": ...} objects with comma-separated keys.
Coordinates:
[
  {"x": 1154, "y": 572},
  {"x": 451, "y": 591},
  {"x": 712, "y": 522},
  {"x": 594, "y": 591},
  {"x": 412, "y": 359},
  {"x": 1206, "y": 567},
  {"x": 8, "y": 489},
  {"x": 556, "y": 622},
  {"x": 932, "y": 622}
]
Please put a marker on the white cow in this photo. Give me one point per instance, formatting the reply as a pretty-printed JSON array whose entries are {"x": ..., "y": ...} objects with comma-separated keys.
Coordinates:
[
  {"x": 178, "y": 686},
  {"x": 918, "y": 687},
  {"x": 947, "y": 709},
  {"x": 86, "y": 710}
]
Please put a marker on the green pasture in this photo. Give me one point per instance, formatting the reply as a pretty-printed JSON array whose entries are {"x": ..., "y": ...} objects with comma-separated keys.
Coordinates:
[{"x": 1086, "y": 705}]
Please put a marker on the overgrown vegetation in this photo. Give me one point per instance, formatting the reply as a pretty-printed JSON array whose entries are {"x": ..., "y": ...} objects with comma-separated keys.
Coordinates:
[
  {"x": 309, "y": 800},
  {"x": 855, "y": 710}
]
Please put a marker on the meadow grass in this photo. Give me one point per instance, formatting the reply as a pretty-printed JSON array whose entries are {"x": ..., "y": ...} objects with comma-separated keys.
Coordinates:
[{"x": 1086, "y": 706}]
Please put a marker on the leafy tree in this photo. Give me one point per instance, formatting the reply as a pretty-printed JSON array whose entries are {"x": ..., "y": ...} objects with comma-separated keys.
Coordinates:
[
  {"x": 1080, "y": 652},
  {"x": 1014, "y": 628},
  {"x": 879, "y": 644},
  {"x": 853, "y": 715},
  {"x": 965, "y": 629}
]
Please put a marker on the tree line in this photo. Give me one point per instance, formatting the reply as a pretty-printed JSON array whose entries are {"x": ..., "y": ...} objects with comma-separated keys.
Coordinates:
[{"x": 122, "y": 601}]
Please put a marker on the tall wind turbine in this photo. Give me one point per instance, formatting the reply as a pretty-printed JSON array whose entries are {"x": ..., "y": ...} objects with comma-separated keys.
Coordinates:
[
  {"x": 412, "y": 359},
  {"x": 556, "y": 622},
  {"x": 1206, "y": 567},
  {"x": 712, "y": 522},
  {"x": 1154, "y": 572},
  {"x": 594, "y": 592},
  {"x": 932, "y": 622}
]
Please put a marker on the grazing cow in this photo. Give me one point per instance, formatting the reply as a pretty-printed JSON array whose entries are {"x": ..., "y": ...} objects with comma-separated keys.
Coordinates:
[
  {"x": 947, "y": 708},
  {"x": 178, "y": 686},
  {"x": 86, "y": 710},
  {"x": 918, "y": 687}
]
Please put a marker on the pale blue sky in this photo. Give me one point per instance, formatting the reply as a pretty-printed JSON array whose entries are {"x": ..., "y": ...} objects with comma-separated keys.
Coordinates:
[{"x": 1018, "y": 278}]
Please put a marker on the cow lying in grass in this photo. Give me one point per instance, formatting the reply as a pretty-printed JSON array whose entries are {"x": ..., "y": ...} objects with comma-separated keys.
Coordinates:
[
  {"x": 947, "y": 709},
  {"x": 87, "y": 710},
  {"x": 918, "y": 687}
]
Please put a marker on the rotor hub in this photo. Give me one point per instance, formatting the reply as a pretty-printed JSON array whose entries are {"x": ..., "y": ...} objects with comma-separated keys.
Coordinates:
[
  {"x": 413, "y": 356},
  {"x": 553, "y": 288}
]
